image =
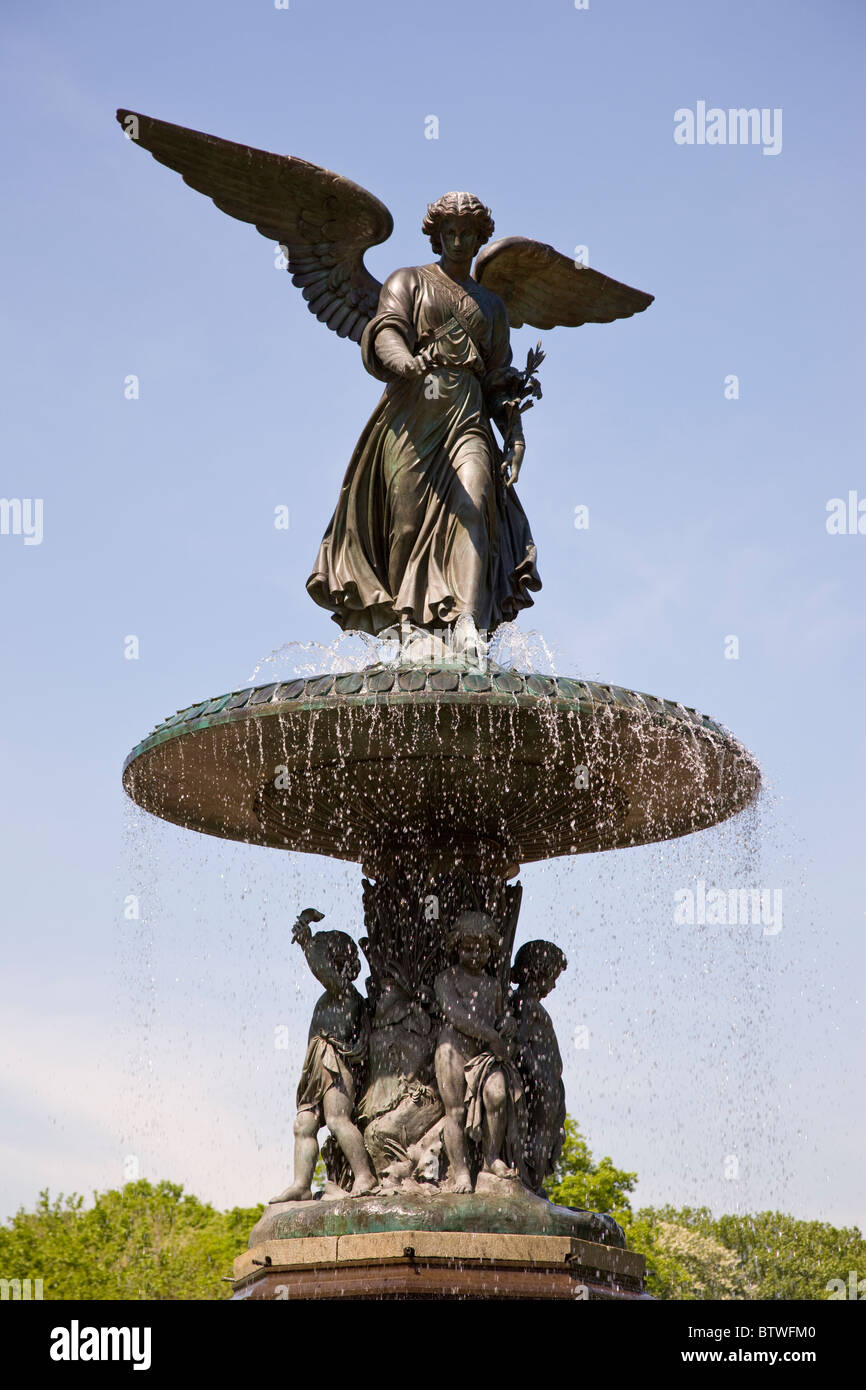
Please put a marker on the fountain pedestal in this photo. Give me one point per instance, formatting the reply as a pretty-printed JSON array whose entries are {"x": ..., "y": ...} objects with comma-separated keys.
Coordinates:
[
  {"x": 418, "y": 1265},
  {"x": 423, "y": 1242}
]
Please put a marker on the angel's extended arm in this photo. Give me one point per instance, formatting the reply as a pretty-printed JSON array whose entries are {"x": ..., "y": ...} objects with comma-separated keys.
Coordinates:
[
  {"x": 390, "y": 336},
  {"x": 393, "y": 353}
]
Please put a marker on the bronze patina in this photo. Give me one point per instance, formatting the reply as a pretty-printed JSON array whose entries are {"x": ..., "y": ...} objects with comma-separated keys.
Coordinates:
[
  {"x": 428, "y": 532},
  {"x": 436, "y": 770}
]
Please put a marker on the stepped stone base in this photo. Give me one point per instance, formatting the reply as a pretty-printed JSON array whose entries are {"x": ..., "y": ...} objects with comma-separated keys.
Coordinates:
[{"x": 409, "y": 1265}]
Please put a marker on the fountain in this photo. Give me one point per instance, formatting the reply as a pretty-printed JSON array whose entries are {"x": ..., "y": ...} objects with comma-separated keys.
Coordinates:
[{"x": 438, "y": 771}]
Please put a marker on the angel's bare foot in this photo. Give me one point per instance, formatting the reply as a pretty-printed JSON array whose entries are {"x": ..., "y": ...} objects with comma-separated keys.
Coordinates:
[
  {"x": 295, "y": 1193},
  {"x": 462, "y": 1181},
  {"x": 361, "y": 1186},
  {"x": 499, "y": 1169}
]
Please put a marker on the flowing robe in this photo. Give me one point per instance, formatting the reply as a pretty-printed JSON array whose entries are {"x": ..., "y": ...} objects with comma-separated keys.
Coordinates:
[
  {"x": 478, "y": 1071},
  {"x": 424, "y": 528},
  {"x": 331, "y": 1062}
]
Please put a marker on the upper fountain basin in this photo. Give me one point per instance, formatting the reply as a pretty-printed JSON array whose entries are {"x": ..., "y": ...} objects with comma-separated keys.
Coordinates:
[{"x": 493, "y": 764}]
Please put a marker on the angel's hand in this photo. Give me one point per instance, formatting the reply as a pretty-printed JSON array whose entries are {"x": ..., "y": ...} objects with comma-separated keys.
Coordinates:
[
  {"x": 413, "y": 367},
  {"x": 512, "y": 462}
]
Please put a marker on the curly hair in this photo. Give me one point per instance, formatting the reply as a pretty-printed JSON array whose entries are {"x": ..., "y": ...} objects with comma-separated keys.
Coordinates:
[
  {"x": 456, "y": 205},
  {"x": 535, "y": 959},
  {"x": 469, "y": 923}
]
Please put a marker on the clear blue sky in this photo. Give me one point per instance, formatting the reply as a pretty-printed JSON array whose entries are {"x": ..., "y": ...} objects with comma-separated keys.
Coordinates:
[{"x": 707, "y": 519}]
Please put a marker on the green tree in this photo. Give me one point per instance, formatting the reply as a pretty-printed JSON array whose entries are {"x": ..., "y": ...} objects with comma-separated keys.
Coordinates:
[
  {"x": 154, "y": 1241},
  {"x": 143, "y": 1241},
  {"x": 578, "y": 1181},
  {"x": 782, "y": 1257},
  {"x": 685, "y": 1263},
  {"x": 691, "y": 1254}
]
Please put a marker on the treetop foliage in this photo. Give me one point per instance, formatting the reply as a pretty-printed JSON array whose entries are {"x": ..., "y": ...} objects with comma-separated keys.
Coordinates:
[{"x": 155, "y": 1241}]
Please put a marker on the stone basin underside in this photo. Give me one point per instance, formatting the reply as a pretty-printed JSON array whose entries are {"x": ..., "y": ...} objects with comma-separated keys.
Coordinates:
[{"x": 499, "y": 767}]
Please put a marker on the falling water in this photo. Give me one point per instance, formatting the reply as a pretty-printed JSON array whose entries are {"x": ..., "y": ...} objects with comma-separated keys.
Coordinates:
[
  {"x": 667, "y": 1029},
  {"x": 510, "y": 648}
]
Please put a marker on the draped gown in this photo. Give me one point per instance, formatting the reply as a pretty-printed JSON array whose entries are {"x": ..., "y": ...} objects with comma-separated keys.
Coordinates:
[{"x": 425, "y": 529}]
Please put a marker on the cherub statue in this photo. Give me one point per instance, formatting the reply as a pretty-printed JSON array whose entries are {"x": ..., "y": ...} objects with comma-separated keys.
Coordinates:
[
  {"x": 338, "y": 1037},
  {"x": 428, "y": 532},
  {"x": 537, "y": 966},
  {"x": 479, "y": 1084}
]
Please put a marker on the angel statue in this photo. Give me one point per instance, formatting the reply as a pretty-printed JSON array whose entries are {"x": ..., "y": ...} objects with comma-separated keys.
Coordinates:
[{"x": 428, "y": 532}]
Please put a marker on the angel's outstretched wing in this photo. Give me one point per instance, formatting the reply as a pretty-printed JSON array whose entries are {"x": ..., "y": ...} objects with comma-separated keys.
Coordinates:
[
  {"x": 324, "y": 222},
  {"x": 542, "y": 287}
]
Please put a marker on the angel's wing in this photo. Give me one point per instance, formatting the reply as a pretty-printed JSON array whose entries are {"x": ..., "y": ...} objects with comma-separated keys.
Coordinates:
[
  {"x": 324, "y": 222},
  {"x": 542, "y": 287}
]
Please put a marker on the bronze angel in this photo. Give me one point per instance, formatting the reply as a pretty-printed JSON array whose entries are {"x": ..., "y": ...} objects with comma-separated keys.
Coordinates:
[{"x": 428, "y": 532}]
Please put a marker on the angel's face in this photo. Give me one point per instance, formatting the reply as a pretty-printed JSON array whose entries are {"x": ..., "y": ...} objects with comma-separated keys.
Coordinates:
[{"x": 459, "y": 237}]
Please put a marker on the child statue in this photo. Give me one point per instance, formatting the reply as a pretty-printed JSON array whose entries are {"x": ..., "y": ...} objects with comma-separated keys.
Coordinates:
[
  {"x": 537, "y": 966},
  {"x": 337, "y": 1048},
  {"x": 479, "y": 1085}
]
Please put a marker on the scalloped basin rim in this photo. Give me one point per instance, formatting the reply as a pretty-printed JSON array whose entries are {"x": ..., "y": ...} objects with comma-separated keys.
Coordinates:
[
  {"x": 440, "y": 683},
  {"x": 364, "y": 764}
]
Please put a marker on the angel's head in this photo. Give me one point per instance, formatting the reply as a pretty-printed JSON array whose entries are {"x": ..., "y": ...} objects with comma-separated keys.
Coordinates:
[{"x": 454, "y": 221}]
